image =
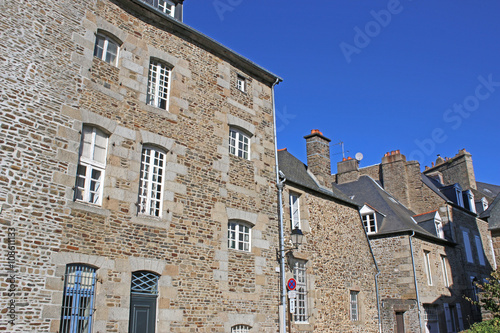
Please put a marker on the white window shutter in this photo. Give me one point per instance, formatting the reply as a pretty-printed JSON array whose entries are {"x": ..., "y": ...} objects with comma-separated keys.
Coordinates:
[
  {"x": 448, "y": 317},
  {"x": 459, "y": 315}
]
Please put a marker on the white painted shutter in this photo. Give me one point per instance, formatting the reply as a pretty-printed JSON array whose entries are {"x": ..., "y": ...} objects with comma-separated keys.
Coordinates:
[
  {"x": 460, "y": 320},
  {"x": 294, "y": 211},
  {"x": 480, "y": 252},
  {"x": 448, "y": 317},
  {"x": 468, "y": 250}
]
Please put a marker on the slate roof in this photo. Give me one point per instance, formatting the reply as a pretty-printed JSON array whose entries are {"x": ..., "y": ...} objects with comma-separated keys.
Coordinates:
[
  {"x": 487, "y": 213},
  {"x": 397, "y": 218},
  {"x": 425, "y": 216},
  {"x": 489, "y": 190},
  {"x": 435, "y": 186},
  {"x": 296, "y": 172}
]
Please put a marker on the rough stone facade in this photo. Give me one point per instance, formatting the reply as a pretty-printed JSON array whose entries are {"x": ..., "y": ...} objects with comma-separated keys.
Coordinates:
[
  {"x": 51, "y": 87},
  {"x": 339, "y": 260}
]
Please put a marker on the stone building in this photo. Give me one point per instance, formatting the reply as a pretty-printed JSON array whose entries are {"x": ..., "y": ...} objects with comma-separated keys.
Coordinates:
[
  {"x": 334, "y": 267},
  {"x": 137, "y": 182},
  {"x": 427, "y": 238}
]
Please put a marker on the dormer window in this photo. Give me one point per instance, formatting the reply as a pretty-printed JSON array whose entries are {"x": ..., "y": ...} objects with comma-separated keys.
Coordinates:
[
  {"x": 459, "y": 197},
  {"x": 369, "y": 219},
  {"x": 468, "y": 199},
  {"x": 164, "y": 6},
  {"x": 439, "y": 226}
]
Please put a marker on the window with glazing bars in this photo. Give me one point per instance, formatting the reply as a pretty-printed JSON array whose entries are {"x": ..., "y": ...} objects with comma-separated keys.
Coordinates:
[
  {"x": 106, "y": 49},
  {"x": 238, "y": 236},
  {"x": 369, "y": 223},
  {"x": 299, "y": 273},
  {"x": 240, "y": 329},
  {"x": 78, "y": 299},
  {"x": 241, "y": 83},
  {"x": 90, "y": 171},
  {"x": 158, "y": 84},
  {"x": 295, "y": 210},
  {"x": 145, "y": 283},
  {"x": 151, "y": 184},
  {"x": 354, "y": 305},
  {"x": 163, "y": 6},
  {"x": 239, "y": 143}
]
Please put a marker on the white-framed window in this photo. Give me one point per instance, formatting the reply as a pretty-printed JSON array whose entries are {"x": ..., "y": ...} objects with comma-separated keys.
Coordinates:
[
  {"x": 239, "y": 143},
  {"x": 106, "y": 49},
  {"x": 299, "y": 274},
  {"x": 151, "y": 182},
  {"x": 428, "y": 267},
  {"x": 240, "y": 329},
  {"x": 159, "y": 84},
  {"x": 469, "y": 201},
  {"x": 354, "y": 305},
  {"x": 444, "y": 265},
  {"x": 480, "y": 252},
  {"x": 369, "y": 219},
  {"x": 239, "y": 236},
  {"x": 164, "y": 6},
  {"x": 78, "y": 299},
  {"x": 91, "y": 165},
  {"x": 295, "y": 210},
  {"x": 241, "y": 83},
  {"x": 369, "y": 223},
  {"x": 468, "y": 250},
  {"x": 439, "y": 226}
]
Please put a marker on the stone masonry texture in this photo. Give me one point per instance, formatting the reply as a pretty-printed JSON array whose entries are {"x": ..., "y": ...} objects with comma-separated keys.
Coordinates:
[{"x": 51, "y": 85}]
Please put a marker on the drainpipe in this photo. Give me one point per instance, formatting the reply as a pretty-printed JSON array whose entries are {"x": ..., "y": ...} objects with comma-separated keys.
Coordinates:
[
  {"x": 376, "y": 276},
  {"x": 415, "y": 281},
  {"x": 279, "y": 184}
]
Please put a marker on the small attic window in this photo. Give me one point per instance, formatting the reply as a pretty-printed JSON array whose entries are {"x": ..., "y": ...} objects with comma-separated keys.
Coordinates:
[
  {"x": 468, "y": 200},
  {"x": 241, "y": 83},
  {"x": 369, "y": 219}
]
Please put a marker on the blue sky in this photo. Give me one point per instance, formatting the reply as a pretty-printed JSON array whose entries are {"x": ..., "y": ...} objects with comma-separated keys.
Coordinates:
[{"x": 416, "y": 75}]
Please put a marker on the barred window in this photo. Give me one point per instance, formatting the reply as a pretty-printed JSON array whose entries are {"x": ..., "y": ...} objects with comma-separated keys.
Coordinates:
[
  {"x": 240, "y": 329},
  {"x": 239, "y": 143},
  {"x": 354, "y": 305},
  {"x": 299, "y": 273},
  {"x": 238, "y": 236},
  {"x": 78, "y": 299},
  {"x": 158, "y": 84},
  {"x": 151, "y": 184},
  {"x": 145, "y": 283},
  {"x": 90, "y": 171},
  {"x": 106, "y": 49}
]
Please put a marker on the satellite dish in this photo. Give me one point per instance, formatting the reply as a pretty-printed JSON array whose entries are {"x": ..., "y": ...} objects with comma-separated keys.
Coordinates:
[{"x": 359, "y": 156}]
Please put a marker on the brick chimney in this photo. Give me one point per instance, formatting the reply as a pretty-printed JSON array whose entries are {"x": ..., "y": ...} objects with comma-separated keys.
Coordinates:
[{"x": 318, "y": 156}]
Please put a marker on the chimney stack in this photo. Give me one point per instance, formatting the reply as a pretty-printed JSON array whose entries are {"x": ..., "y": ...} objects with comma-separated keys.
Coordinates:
[{"x": 318, "y": 156}]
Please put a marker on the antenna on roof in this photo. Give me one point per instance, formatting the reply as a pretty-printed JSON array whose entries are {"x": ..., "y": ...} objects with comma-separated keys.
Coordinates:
[
  {"x": 359, "y": 156},
  {"x": 341, "y": 144}
]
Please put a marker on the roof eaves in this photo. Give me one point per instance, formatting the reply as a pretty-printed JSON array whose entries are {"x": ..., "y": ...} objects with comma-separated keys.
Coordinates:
[{"x": 211, "y": 44}]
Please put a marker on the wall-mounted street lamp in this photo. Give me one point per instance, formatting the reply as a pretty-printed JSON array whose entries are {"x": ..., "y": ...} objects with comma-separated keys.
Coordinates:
[{"x": 296, "y": 237}]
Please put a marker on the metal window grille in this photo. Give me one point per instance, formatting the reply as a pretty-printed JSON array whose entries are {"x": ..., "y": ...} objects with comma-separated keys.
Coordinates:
[
  {"x": 106, "y": 49},
  {"x": 78, "y": 299},
  {"x": 295, "y": 211},
  {"x": 239, "y": 144},
  {"x": 90, "y": 171},
  {"x": 158, "y": 85},
  {"x": 240, "y": 329},
  {"x": 163, "y": 6},
  {"x": 238, "y": 236},
  {"x": 144, "y": 283},
  {"x": 369, "y": 223},
  {"x": 354, "y": 305},
  {"x": 299, "y": 274},
  {"x": 151, "y": 184}
]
